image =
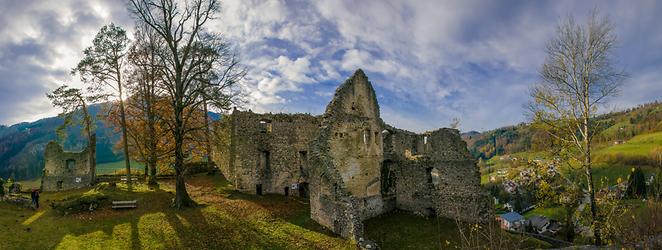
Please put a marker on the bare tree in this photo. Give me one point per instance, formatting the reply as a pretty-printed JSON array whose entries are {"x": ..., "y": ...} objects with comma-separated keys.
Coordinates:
[
  {"x": 455, "y": 123},
  {"x": 577, "y": 76},
  {"x": 102, "y": 66},
  {"x": 194, "y": 68}
]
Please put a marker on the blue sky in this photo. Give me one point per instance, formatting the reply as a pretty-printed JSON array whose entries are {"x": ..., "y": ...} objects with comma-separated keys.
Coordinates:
[{"x": 429, "y": 61}]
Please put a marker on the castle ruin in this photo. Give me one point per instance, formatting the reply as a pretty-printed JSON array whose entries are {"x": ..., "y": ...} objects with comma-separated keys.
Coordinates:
[
  {"x": 64, "y": 170},
  {"x": 349, "y": 163}
]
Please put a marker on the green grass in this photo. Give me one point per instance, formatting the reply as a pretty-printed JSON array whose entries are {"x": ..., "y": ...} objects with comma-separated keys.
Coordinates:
[
  {"x": 555, "y": 212},
  {"x": 403, "y": 230},
  {"x": 640, "y": 145},
  {"x": 113, "y": 167},
  {"x": 612, "y": 172},
  {"x": 30, "y": 184},
  {"x": 218, "y": 222}
]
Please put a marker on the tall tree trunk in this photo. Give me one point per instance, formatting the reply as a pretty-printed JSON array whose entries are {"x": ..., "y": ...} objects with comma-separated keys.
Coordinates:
[
  {"x": 182, "y": 199},
  {"x": 151, "y": 134},
  {"x": 127, "y": 159},
  {"x": 591, "y": 187},
  {"x": 210, "y": 160},
  {"x": 91, "y": 144}
]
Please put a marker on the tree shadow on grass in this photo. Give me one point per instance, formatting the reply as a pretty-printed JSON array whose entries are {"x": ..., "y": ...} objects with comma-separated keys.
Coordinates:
[{"x": 275, "y": 221}]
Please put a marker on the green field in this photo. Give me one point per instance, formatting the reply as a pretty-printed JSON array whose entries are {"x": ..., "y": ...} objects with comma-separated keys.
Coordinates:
[
  {"x": 115, "y": 167},
  {"x": 223, "y": 219},
  {"x": 640, "y": 145},
  {"x": 403, "y": 230}
]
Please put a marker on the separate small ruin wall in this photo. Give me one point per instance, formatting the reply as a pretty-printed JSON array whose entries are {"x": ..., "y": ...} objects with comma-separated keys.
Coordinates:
[
  {"x": 65, "y": 170},
  {"x": 265, "y": 153}
]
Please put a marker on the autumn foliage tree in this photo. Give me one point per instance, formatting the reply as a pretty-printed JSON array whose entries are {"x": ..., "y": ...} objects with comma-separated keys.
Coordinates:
[{"x": 195, "y": 69}]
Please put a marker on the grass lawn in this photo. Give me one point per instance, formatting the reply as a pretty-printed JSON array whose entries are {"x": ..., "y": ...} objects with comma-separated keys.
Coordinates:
[
  {"x": 112, "y": 167},
  {"x": 640, "y": 145},
  {"x": 612, "y": 172},
  {"x": 556, "y": 213},
  {"x": 224, "y": 219},
  {"x": 403, "y": 230}
]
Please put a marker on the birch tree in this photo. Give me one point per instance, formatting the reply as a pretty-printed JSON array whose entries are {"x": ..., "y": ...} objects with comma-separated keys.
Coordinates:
[{"x": 578, "y": 76}]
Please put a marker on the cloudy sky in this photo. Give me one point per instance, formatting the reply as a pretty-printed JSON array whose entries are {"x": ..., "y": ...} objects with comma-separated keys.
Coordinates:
[{"x": 430, "y": 61}]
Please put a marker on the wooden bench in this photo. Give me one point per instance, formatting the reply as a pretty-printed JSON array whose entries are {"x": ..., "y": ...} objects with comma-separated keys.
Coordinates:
[
  {"x": 125, "y": 204},
  {"x": 133, "y": 179}
]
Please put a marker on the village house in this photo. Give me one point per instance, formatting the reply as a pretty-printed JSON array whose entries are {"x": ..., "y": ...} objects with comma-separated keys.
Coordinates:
[{"x": 510, "y": 221}]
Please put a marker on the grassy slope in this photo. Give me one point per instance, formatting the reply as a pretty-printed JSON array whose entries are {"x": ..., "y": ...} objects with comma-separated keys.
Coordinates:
[
  {"x": 223, "y": 220},
  {"x": 640, "y": 145}
]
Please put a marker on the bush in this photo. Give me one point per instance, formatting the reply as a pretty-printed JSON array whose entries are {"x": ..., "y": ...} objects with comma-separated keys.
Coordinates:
[
  {"x": 636, "y": 183},
  {"x": 77, "y": 204}
]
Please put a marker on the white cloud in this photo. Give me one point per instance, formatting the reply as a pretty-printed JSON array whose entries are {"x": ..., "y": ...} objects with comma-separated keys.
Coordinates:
[{"x": 441, "y": 59}]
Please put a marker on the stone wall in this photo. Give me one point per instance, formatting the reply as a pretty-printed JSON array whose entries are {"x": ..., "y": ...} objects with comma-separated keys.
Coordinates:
[
  {"x": 265, "y": 153},
  {"x": 435, "y": 174},
  {"x": 356, "y": 166},
  {"x": 348, "y": 155},
  {"x": 65, "y": 170}
]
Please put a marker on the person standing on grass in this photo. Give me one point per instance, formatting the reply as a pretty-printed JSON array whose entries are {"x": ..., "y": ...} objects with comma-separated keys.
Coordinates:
[
  {"x": 33, "y": 197},
  {"x": 36, "y": 198}
]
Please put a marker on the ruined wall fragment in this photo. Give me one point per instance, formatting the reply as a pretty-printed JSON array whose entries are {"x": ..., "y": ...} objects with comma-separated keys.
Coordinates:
[
  {"x": 346, "y": 159},
  {"x": 65, "y": 170},
  {"x": 436, "y": 175},
  {"x": 265, "y": 153}
]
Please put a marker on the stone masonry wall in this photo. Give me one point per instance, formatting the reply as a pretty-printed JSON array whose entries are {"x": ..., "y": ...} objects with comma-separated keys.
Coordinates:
[
  {"x": 266, "y": 151},
  {"x": 347, "y": 156},
  {"x": 436, "y": 175},
  {"x": 67, "y": 170},
  {"x": 357, "y": 167}
]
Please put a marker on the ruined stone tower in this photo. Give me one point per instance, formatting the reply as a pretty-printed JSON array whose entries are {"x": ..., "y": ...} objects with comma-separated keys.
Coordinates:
[
  {"x": 346, "y": 158},
  {"x": 349, "y": 163},
  {"x": 65, "y": 170}
]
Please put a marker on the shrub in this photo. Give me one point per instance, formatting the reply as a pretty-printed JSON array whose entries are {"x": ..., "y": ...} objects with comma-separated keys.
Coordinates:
[
  {"x": 79, "y": 203},
  {"x": 636, "y": 183}
]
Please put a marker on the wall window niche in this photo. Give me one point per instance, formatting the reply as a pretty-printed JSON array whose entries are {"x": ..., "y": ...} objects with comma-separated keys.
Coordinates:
[
  {"x": 70, "y": 165},
  {"x": 265, "y": 126},
  {"x": 435, "y": 177},
  {"x": 265, "y": 162}
]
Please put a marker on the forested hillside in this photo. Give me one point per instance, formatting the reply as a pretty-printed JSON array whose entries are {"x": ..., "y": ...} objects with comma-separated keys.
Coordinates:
[
  {"x": 22, "y": 145},
  {"x": 616, "y": 128}
]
